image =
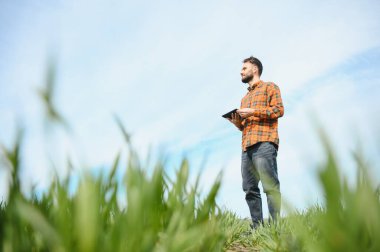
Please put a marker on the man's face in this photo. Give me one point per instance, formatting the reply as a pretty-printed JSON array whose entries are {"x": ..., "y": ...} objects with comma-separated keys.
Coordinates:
[{"x": 247, "y": 72}]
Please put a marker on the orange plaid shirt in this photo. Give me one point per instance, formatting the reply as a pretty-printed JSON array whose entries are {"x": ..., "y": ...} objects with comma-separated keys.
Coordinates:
[{"x": 265, "y": 98}]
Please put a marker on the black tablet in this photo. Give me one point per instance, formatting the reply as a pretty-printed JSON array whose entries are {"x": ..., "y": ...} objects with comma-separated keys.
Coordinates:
[{"x": 229, "y": 114}]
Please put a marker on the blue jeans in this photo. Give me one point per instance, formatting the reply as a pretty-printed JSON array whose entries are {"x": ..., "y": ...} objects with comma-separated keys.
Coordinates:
[{"x": 259, "y": 163}]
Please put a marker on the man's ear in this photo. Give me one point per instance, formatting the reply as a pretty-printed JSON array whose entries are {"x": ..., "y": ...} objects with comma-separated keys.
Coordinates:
[{"x": 255, "y": 69}]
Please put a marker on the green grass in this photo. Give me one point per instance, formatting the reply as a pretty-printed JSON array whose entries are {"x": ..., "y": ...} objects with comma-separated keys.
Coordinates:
[
  {"x": 170, "y": 215},
  {"x": 163, "y": 214},
  {"x": 160, "y": 215}
]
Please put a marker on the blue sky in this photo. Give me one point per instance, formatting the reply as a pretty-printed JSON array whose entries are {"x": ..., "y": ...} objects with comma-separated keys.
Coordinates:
[{"x": 169, "y": 69}]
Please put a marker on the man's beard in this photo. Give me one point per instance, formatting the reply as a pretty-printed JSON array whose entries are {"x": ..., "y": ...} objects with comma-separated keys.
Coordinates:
[{"x": 247, "y": 78}]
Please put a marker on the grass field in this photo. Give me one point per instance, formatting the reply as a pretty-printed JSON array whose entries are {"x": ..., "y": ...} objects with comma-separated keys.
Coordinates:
[
  {"x": 170, "y": 215},
  {"x": 163, "y": 214}
]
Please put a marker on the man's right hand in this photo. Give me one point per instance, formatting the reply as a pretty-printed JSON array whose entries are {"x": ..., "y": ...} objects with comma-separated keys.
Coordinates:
[{"x": 236, "y": 120}]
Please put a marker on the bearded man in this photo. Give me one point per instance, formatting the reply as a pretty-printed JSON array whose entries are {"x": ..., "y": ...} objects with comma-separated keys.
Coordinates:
[{"x": 257, "y": 118}]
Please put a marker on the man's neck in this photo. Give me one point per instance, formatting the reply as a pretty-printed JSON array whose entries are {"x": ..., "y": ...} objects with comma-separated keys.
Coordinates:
[{"x": 253, "y": 81}]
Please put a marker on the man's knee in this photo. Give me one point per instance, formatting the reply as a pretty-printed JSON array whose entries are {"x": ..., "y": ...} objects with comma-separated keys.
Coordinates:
[
  {"x": 272, "y": 191},
  {"x": 252, "y": 194},
  {"x": 271, "y": 186}
]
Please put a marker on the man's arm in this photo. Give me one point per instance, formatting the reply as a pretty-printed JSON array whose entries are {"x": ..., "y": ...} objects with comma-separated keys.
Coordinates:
[{"x": 274, "y": 110}]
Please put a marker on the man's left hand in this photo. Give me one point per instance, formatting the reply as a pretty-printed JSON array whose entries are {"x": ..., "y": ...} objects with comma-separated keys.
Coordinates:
[{"x": 246, "y": 112}]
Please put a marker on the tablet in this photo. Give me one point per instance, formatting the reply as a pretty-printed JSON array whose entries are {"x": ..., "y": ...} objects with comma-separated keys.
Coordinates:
[{"x": 229, "y": 114}]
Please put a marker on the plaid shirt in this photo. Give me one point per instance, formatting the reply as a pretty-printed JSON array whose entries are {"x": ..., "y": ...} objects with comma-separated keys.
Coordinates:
[{"x": 265, "y": 98}]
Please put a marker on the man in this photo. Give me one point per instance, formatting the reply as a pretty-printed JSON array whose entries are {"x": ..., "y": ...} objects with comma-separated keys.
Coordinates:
[{"x": 257, "y": 119}]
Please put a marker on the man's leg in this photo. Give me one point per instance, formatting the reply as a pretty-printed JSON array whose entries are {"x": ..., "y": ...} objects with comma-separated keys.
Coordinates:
[
  {"x": 266, "y": 165},
  {"x": 251, "y": 189}
]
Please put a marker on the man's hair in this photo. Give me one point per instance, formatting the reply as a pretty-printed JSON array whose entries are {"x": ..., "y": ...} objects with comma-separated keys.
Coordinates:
[{"x": 255, "y": 62}]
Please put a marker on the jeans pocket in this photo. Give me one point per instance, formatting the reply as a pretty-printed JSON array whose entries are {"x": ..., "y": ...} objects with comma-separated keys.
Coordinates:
[
  {"x": 268, "y": 148},
  {"x": 274, "y": 148}
]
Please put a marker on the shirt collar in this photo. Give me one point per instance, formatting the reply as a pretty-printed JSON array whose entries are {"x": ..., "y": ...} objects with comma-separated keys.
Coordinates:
[{"x": 254, "y": 85}]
